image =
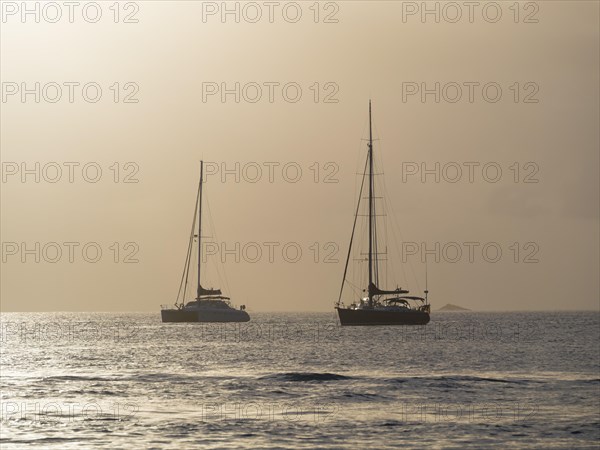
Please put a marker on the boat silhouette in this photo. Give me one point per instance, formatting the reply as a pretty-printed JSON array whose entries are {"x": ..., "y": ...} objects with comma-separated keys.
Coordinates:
[
  {"x": 209, "y": 305},
  {"x": 379, "y": 306}
]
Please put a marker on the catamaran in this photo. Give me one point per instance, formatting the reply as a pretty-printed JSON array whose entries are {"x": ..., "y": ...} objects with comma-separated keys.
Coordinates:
[
  {"x": 379, "y": 306},
  {"x": 209, "y": 305}
]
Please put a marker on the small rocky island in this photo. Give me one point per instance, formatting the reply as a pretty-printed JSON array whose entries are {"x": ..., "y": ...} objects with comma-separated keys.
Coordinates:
[{"x": 451, "y": 307}]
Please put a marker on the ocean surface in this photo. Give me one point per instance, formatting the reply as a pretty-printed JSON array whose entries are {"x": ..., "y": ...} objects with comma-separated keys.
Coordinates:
[{"x": 465, "y": 380}]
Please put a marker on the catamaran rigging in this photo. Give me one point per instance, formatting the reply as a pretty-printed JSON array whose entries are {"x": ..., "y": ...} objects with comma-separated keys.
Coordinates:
[{"x": 209, "y": 305}]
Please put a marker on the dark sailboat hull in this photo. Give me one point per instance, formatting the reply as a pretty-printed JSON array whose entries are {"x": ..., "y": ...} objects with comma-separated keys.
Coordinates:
[
  {"x": 367, "y": 317},
  {"x": 205, "y": 316}
]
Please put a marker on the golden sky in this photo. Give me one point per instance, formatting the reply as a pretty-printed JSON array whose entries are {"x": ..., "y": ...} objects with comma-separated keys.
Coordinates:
[{"x": 529, "y": 105}]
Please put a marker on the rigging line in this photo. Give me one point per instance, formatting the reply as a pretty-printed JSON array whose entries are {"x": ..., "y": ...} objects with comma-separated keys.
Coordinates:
[
  {"x": 185, "y": 271},
  {"x": 358, "y": 154},
  {"x": 357, "y": 290},
  {"x": 396, "y": 243},
  {"x": 375, "y": 246},
  {"x": 393, "y": 267},
  {"x": 410, "y": 264},
  {"x": 413, "y": 271},
  {"x": 404, "y": 274},
  {"x": 186, "y": 267},
  {"x": 358, "y": 267},
  {"x": 386, "y": 277},
  {"x": 363, "y": 272},
  {"x": 194, "y": 262},
  {"x": 376, "y": 184},
  {"x": 218, "y": 265},
  {"x": 357, "y": 164},
  {"x": 382, "y": 185},
  {"x": 199, "y": 288},
  {"x": 215, "y": 238},
  {"x": 385, "y": 212},
  {"x": 352, "y": 236}
]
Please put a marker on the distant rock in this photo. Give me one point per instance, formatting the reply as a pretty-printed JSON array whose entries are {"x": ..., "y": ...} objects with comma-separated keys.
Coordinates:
[{"x": 451, "y": 307}]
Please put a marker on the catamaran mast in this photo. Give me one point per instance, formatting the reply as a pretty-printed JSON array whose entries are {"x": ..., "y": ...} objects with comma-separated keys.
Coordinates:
[
  {"x": 200, "y": 226},
  {"x": 370, "y": 206}
]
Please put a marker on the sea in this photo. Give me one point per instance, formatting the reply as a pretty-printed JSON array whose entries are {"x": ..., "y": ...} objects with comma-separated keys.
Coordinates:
[{"x": 299, "y": 380}]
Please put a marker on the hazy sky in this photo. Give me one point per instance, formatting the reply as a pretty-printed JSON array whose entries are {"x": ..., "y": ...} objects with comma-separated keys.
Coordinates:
[{"x": 543, "y": 127}]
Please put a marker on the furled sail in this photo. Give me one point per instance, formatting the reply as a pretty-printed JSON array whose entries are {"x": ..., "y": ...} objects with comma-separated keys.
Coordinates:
[
  {"x": 374, "y": 290},
  {"x": 202, "y": 291}
]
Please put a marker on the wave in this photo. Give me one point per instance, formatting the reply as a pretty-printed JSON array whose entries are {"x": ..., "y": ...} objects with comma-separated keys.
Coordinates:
[
  {"x": 305, "y": 376},
  {"x": 457, "y": 379},
  {"x": 470, "y": 378},
  {"x": 163, "y": 377},
  {"x": 363, "y": 395},
  {"x": 77, "y": 378},
  {"x": 104, "y": 393}
]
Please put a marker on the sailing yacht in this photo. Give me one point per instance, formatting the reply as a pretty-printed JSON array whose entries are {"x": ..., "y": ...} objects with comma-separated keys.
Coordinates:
[
  {"x": 210, "y": 305},
  {"x": 379, "y": 306}
]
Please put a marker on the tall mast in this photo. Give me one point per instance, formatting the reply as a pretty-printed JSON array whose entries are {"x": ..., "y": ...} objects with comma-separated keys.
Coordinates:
[
  {"x": 200, "y": 225},
  {"x": 370, "y": 206}
]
